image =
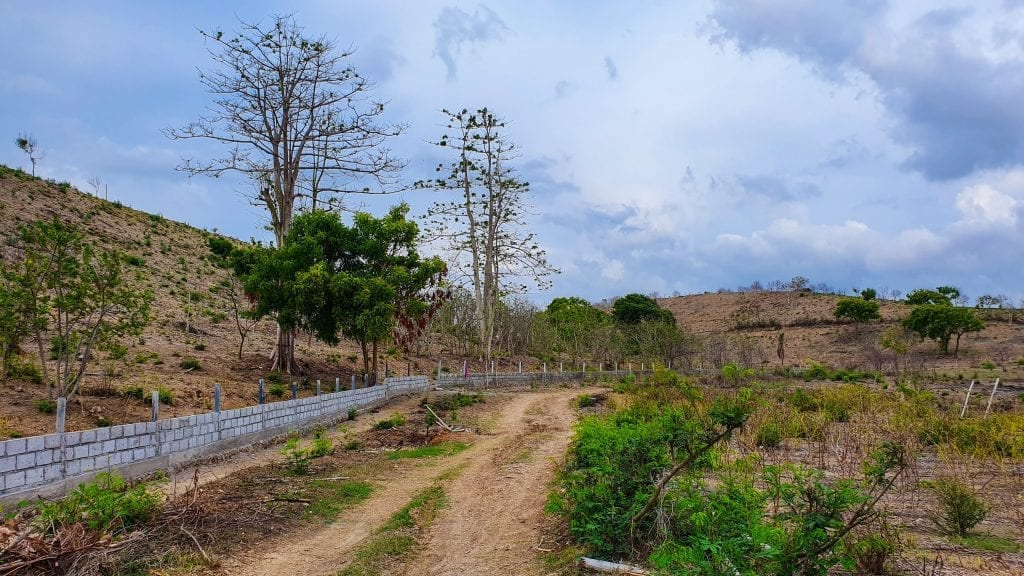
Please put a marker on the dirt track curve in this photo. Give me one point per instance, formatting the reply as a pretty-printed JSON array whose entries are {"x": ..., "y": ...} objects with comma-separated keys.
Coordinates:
[{"x": 493, "y": 522}]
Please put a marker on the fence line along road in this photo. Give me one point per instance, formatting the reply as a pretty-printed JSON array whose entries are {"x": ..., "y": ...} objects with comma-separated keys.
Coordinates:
[
  {"x": 53, "y": 464},
  {"x": 506, "y": 379}
]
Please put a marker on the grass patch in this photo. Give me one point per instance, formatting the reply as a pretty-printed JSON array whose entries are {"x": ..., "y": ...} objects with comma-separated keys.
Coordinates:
[
  {"x": 442, "y": 449},
  {"x": 395, "y": 421},
  {"x": 332, "y": 497},
  {"x": 396, "y": 539},
  {"x": 990, "y": 542}
]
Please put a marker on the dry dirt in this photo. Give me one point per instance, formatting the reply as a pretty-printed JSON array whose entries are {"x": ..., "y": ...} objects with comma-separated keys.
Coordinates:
[{"x": 495, "y": 516}]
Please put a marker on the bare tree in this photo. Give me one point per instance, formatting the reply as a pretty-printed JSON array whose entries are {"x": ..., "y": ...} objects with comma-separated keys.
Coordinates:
[
  {"x": 298, "y": 120},
  {"x": 484, "y": 227},
  {"x": 27, "y": 143}
]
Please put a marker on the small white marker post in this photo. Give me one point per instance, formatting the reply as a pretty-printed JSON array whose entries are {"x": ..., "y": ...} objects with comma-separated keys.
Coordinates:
[
  {"x": 216, "y": 397},
  {"x": 62, "y": 411},
  {"x": 967, "y": 399},
  {"x": 155, "y": 398},
  {"x": 990, "y": 397}
]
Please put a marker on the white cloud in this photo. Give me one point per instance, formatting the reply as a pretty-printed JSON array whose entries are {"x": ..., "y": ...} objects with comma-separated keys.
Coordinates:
[{"x": 984, "y": 204}]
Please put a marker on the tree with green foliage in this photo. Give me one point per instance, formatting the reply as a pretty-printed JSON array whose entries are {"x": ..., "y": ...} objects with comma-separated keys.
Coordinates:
[
  {"x": 13, "y": 328},
  {"x": 940, "y": 322},
  {"x": 635, "y": 308},
  {"x": 344, "y": 281},
  {"x": 857, "y": 309},
  {"x": 575, "y": 322},
  {"x": 868, "y": 294},
  {"x": 925, "y": 296},
  {"x": 73, "y": 297},
  {"x": 298, "y": 120}
]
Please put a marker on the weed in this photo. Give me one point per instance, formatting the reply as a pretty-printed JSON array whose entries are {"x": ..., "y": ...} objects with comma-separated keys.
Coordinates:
[
  {"x": 25, "y": 370},
  {"x": 988, "y": 365},
  {"x": 135, "y": 392},
  {"x": 352, "y": 413},
  {"x": 200, "y": 347},
  {"x": 988, "y": 542},
  {"x": 277, "y": 390},
  {"x": 395, "y": 421},
  {"x": 322, "y": 445},
  {"x": 442, "y": 449},
  {"x": 333, "y": 497},
  {"x": 769, "y": 435},
  {"x": 189, "y": 363},
  {"x": 960, "y": 508},
  {"x": 584, "y": 401},
  {"x": 45, "y": 406},
  {"x": 107, "y": 504},
  {"x": 296, "y": 459}
]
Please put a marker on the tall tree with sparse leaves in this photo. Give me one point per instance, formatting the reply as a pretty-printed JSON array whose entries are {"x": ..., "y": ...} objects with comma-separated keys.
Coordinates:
[
  {"x": 298, "y": 120},
  {"x": 484, "y": 228}
]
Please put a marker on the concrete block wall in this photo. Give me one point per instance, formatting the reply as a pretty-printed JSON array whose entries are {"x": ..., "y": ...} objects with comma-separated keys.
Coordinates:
[{"x": 53, "y": 464}]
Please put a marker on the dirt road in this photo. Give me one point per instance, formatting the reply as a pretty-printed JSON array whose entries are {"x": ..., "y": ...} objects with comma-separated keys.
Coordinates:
[{"x": 493, "y": 522}]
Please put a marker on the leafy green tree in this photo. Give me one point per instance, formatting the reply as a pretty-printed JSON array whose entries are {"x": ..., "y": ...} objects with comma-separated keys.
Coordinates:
[
  {"x": 74, "y": 298},
  {"x": 575, "y": 322},
  {"x": 857, "y": 309},
  {"x": 940, "y": 322},
  {"x": 924, "y": 296},
  {"x": 344, "y": 281},
  {"x": 13, "y": 328},
  {"x": 868, "y": 294},
  {"x": 635, "y": 308}
]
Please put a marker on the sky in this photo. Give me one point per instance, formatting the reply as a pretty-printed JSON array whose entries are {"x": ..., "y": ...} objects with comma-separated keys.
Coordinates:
[{"x": 671, "y": 147}]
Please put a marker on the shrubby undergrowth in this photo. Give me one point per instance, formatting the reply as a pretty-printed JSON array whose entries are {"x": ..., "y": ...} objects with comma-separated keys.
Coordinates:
[{"x": 654, "y": 482}]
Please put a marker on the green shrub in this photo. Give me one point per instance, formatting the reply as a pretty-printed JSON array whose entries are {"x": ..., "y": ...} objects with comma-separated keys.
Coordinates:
[
  {"x": 322, "y": 445},
  {"x": 133, "y": 260},
  {"x": 352, "y": 413},
  {"x": 584, "y": 401},
  {"x": 134, "y": 392},
  {"x": 395, "y": 421},
  {"x": 117, "y": 351},
  {"x": 769, "y": 435},
  {"x": 868, "y": 554},
  {"x": 45, "y": 406},
  {"x": 189, "y": 363},
  {"x": 988, "y": 365},
  {"x": 219, "y": 246},
  {"x": 20, "y": 369},
  {"x": 455, "y": 401},
  {"x": 277, "y": 390},
  {"x": 296, "y": 458},
  {"x": 960, "y": 509},
  {"x": 165, "y": 395},
  {"x": 107, "y": 504}
]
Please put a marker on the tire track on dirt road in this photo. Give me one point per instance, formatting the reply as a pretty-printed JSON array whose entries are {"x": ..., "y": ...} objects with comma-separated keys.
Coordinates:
[
  {"x": 501, "y": 491},
  {"x": 495, "y": 518}
]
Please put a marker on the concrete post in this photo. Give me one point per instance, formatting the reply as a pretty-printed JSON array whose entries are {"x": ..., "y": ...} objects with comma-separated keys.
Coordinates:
[
  {"x": 520, "y": 366},
  {"x": 317, "y": 386},
  {"x": 216, "y": 397},
  {"x": 366, "y": 380},
  {"x": 353, "y": 381},
  {"x": 438, "y": 369},
  {"x": 584, "y": 367},
  {"x": 642, "y": 366},
  {"x": 545, "y": 367},
  {"x": 295, "y": 390},
  {"x": 62, "y": 411},
  {"x": 262, "y": 395},
  {"x": 337, "y": 384},
  {"x": 155, "y": 415}
]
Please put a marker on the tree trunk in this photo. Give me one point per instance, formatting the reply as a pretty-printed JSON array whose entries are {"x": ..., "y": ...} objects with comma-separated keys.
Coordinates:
[
  {"x": 374, "y": 362},
  {"x": 283, "y": 359}
]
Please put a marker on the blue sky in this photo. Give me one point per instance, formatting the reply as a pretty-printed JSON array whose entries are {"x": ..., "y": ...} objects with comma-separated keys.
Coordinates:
[{"x": 672, "y": 147}]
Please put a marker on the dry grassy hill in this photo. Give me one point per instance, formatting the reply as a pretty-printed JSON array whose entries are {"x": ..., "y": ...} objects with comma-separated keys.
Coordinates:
[
  {"x": 749, "y": 324},
  {"x": 173, "y": 260}
]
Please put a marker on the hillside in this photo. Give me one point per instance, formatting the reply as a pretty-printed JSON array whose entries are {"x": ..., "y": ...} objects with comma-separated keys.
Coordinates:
[
  {"x": 748, "y": 324},
  {"x": 171, "y": 259}
]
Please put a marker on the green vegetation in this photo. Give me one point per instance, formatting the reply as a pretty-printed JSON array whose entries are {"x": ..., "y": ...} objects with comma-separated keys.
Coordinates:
[
  {"x": 960, "y": 508},
  {"x": 189, "y": 363},
  {"x": 396, "y": 420},
  {"x": 107, "y": 504},
  {"x": 857, "y": 310},
  {"x": 442, "y": 449},
  {"x": 45, "y": 406},
  {"x": 65, "y": 292},
  {"x": 330, "y": 497},
  {"x": 396, "y": 540},
  {"x": 649, "y": 483}
]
